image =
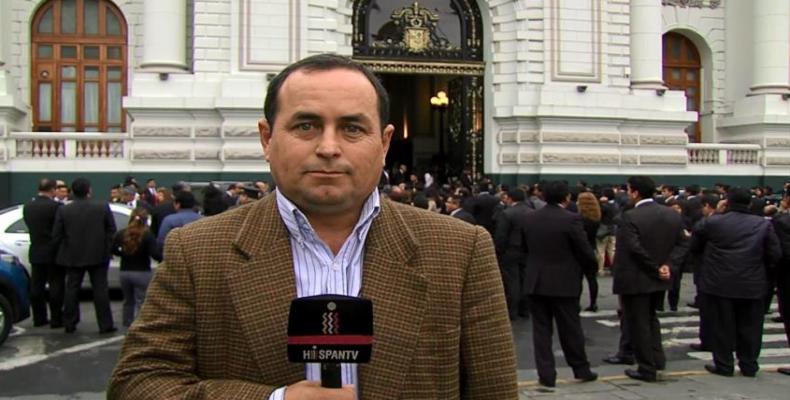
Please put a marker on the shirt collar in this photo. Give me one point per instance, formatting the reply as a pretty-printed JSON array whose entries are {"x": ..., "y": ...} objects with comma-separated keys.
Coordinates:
[
  {"x": 299, "y": 226},
  {"x": 643, "y": 202}
]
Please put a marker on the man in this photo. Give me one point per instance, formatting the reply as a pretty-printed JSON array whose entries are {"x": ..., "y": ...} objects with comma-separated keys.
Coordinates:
[
  {"x": 509, "y": 250},
  {"x": 215, "y": 320},
  {"x": 649, "y": 243},
  {"x": 709, "y": 203},
  {"x": 39, "y": 215},
  {"x": 736, "y": 249},
  {"x": 166, "y": 207},
  {"x": 453, "y": 204},
  {"x": 692, "y": 209},
  {"x": 231, "y": 196},
  {"x": 184, "y": 204},
  {"x": 149, "y": 193},
  {"x": 61, "y": 192},
  {"x": 83, "y": 234},
  {"x": 558, "y": 255},
  {"x": 781, "y": 225}
]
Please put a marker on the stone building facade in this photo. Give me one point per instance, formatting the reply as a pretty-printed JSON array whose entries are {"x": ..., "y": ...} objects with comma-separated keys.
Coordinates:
[{"x": 686, "y": 90}]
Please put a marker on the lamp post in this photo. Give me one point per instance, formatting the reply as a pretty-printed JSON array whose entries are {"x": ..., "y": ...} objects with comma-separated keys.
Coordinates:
[{"x": 440, "y": 103}]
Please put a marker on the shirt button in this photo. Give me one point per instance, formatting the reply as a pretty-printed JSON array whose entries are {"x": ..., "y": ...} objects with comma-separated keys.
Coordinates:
[{"x": 336, "y": 265}]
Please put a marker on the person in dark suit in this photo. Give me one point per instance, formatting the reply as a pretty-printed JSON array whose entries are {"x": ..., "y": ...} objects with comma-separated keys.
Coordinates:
[
  {"x": 510, "y": 252},
  {"x": 558, "y": 255},
  {"x": 692, "y": 208},
  {"x": 782, "y": 228},
  {"x": 483, "y": 206},
  {"x": 736, "y": 248},
  {"x": 166, "y": 206},
  {"x": 83, "y": 234},
  {"x": 39, "y": 215},
  {"x": 649, "y": 242},
  {"x": 454, "y": 208},
  {"x": 148, "y": 194}
]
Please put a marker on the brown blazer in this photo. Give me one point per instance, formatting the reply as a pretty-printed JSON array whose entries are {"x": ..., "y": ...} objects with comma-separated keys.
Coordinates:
[{"x": 214, "y": 322}]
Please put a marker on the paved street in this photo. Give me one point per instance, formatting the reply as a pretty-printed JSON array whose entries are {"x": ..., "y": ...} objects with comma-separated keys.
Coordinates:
[{"x": 42, "y": 364}]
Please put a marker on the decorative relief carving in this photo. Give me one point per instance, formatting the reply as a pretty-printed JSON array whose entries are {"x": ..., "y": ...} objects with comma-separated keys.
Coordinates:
[
  {"x": 663, "y": 160},
  {"x": 777, "y": 142},
  {"x": 2, "y": 131},
  {"x": 692, "y": 3},
  {"x": 629, "y": 159},
  {"x": 507, "y": 136},
  {"x": 571, "y": 158},
  {"x": 508, "y": 158},
  {"x": 240, "y": 131},
  {"x": 206, "y": 154},
  {"x": 206, "y": 131},
  {"x": 528, "y": 137},
  {"x": 778, "y": 160},
  {"x": 244, "y": 153},
  {"x": 630, "y": 139},
  {"x": 161, "y": 131},
  {"x": 416, "y": 67},
  {"x": 680, "y": 140},
  {"x": 162, "y": 154},
  {"x": 560, "y": 137},
  {"x": 528, "y": 158},
  {"x": 2, "y": 154}
]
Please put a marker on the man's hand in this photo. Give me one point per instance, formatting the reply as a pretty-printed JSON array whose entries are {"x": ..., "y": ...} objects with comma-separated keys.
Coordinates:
[
  {"x": 663, "y": 272},
  {"x": 312, "y": 390}
]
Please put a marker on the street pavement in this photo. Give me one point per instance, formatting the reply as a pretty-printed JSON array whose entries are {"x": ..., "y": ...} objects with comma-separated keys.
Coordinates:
[{"x": 44, "y": 364}]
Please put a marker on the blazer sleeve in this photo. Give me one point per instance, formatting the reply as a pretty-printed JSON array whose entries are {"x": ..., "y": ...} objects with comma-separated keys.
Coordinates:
[
  {"x": 488, "y": 365},
  {"x": 158, "y": 357},
  {"x": 631, "y": 243}
]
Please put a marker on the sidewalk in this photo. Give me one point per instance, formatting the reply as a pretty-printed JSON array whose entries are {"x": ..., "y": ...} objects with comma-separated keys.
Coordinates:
[{"x": 690, "y": 384}]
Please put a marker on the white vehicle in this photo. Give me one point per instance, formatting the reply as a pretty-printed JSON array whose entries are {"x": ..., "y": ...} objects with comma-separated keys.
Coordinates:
[{"x": 15, "y": 238}]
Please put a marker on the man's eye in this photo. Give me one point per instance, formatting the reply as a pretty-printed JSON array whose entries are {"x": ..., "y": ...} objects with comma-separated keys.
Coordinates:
[
  {"x": 353, "y": 129},
  {"x": 305, "y": 126}
]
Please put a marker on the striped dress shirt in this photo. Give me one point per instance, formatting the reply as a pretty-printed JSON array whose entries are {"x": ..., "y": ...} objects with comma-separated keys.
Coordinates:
[{"x": 319, "y": 271}]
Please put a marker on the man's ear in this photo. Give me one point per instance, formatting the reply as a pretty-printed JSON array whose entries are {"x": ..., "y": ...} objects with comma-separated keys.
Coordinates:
[{"x": 266, "y": 136}]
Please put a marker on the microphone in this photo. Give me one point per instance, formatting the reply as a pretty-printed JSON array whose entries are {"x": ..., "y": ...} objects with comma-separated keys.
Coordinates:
[{"x": 330, "y": 329}]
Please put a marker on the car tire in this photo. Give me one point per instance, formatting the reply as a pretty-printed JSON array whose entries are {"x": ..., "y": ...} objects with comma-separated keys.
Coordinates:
[{"x": 6, "y": 318}]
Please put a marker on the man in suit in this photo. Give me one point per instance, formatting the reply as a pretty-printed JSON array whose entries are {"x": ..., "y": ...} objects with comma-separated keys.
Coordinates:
[
  {"x": 148, "y": 195},
  {"x": 558, "y": 255},
  {"x": 453, "y": 204},
  {"x": 782, "y": 228},
  {"x": 649, "y": 243},
  {"x": 39, "y": 215},
  {"x": 83, "y": 234},
  {"x": 214, "y": 324},
  {"x": 510, "y": 252},
  {"x": 736, "y": 250}
]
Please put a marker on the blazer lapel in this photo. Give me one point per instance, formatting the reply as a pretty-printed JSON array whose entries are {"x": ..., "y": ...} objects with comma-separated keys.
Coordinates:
[
  {"x": 262, "y": 289},
  {"x": 398, "y": 291}
]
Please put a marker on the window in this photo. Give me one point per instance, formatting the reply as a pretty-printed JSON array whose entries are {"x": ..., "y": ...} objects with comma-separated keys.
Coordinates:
[
  {"x": 682, "y": 69},
  {"x": 79, "y": 67}
]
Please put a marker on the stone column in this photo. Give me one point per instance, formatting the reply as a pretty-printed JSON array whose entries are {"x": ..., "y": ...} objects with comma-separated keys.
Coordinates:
[
  {"x": 646, "y": 45},
  {"x": 164, "y": 36},
  {"x": 771, "y": 49}
]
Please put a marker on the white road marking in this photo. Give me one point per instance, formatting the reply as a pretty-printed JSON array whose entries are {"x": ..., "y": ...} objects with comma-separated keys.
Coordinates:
[
  {"x": 32, "y": 359},
  {"x": 16, "y": 331},
  {"x": 694, "y": 329},
  {"x": 764, "y": 353},
  {"x": 688, "y": 341}
]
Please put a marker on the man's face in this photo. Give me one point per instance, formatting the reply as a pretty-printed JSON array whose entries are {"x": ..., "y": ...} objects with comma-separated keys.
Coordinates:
[
  {"x": 326, "y": 148},
  {"x": 114, "y": 194},
  {"x": 62, "y": 192},
  {"x": 451, "y": 205},
  {"x": 151, "y": 184}
]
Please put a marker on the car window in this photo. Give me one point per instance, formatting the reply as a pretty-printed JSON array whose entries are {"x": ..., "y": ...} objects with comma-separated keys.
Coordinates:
[
  {"x": 18, "y": 227},
  {"x": 121, "y": 220}
]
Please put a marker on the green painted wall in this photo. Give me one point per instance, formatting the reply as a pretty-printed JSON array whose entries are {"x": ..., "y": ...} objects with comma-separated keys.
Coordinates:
[
  {"x": 18, "y": 188},
  {"x": 775, "y": 182}
]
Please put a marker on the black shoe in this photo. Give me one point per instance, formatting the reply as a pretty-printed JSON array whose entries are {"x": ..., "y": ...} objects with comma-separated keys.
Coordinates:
[
  {"x": 108, "y": 330},
  {"x": 749, "y": 374},
  {"x": 692, "y": 304},
  {"x": 589, "y": 376},
  {"x": 592, "y": 308},
  {"x": 71, "y": 329},
  {"x": 41, "y": 323},
  {"x": 546, "y": 382},
  {"x": 715, "y": 370},
  {"x": 634, "y": 374},
  {"x": 783, "y": 370},
  {"x": 699, "y": 347},
  {"x": 53, "y": 325},
  {"x": 619, "y": 360},
  {"x": 673, "y": 308}
]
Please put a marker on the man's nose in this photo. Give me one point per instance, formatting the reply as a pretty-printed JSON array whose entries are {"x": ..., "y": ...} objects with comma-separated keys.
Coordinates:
[{"x": 329, "y": 142}]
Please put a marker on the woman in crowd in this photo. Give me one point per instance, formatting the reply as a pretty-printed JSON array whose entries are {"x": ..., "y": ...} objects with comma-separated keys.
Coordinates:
[
  {"x": 136, "y": 245},
  {"x": 590, "y": 210}
]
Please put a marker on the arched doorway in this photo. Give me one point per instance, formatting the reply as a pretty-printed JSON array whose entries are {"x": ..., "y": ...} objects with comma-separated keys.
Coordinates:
[
  {"x": 682, "y": 69},
  {"x": 420, "y": 48},
  {"x": 78, "y": 67}
]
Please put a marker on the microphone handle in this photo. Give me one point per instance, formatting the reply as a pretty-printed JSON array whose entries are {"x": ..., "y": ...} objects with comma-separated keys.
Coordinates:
[{"x": 330, "y": 376}]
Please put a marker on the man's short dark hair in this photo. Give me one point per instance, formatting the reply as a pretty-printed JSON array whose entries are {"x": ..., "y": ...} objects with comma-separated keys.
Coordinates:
[
  {"x": 710, "y": 200},
  {"x": 47, "y": 185},
  {"x": 644, "y": 185},
  {"x": 180, "y": 186},
  {"x": 324, "y": 62},
  {"x": 555, "y": 192},
  {"x": 516, "y": 194},
  {"x": 692, "y": 190},
  {"x": 739, "y": 195},
  {"x": 80, "y": 187},
  {"x": 185, "y": 199},
  {"x": 671, "y": 189}
]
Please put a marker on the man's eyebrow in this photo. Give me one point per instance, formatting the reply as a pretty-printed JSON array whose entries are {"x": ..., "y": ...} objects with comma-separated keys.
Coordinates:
[
  {"x": 355, "y": 118},
  {"x": 304, "y": 115}
]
